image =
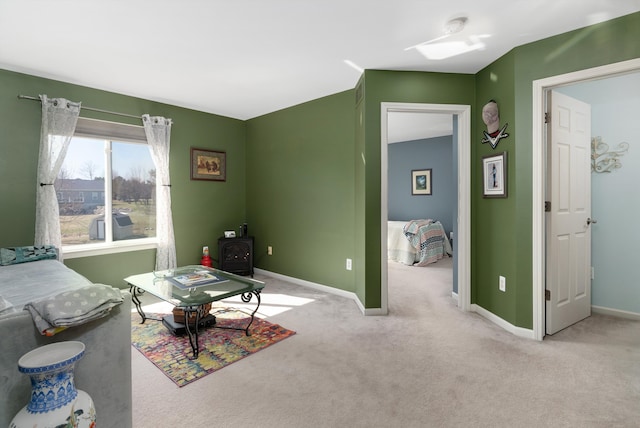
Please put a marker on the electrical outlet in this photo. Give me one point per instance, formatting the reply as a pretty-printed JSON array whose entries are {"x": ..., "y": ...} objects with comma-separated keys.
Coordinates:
[
  {"x": 502, "y": 284},
  {"x": 348, "y": 264},
  {"x": 270, "y": 250}
]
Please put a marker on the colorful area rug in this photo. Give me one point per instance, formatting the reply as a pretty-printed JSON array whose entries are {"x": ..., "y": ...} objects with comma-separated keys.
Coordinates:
[{"x": 218, "y": 347}]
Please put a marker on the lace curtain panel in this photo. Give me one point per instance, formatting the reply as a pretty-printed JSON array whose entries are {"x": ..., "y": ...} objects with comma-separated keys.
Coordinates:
[
  {"x": 158, "y": 131},
  {"x": 59, "y": 118}
]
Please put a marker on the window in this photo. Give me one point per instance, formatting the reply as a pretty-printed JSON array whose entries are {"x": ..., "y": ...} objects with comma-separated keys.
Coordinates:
[{"x": 112, "y": 163}]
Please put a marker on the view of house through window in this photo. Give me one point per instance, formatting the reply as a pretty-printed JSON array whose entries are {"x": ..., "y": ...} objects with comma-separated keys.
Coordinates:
[{"x": 106, "y": 182}]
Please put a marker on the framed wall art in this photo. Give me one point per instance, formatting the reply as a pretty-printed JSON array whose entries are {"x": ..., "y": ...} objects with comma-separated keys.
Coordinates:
[
  {"x": 494, "y": 176},
  {"x": 421, "y": 182},
  {"x": 208, "y": 165}
]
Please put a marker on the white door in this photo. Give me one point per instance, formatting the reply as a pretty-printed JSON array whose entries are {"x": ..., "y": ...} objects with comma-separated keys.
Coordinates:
[{"x": 568, "y": 231}]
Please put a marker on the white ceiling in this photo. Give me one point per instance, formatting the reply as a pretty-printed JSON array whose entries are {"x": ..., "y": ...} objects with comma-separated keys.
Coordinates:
[
  {"x": 411, "y": 126},
  {"x": 246, "y": 58}
]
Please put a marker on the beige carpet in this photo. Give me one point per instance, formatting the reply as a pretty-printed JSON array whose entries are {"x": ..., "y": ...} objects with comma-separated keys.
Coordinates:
[{"x": 426, "y": 364}]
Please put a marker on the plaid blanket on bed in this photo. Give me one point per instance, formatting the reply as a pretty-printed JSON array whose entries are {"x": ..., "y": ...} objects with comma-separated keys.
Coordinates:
[{"x": 427, "y": 237}]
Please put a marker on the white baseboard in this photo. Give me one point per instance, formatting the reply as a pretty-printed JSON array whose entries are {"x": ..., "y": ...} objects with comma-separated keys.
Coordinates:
[
  {"x": 615, "y": 313},
  {"x": 528, "y": 334},
  {"x": 323, "y": 288},
  {"x": 518, "y": 331}
]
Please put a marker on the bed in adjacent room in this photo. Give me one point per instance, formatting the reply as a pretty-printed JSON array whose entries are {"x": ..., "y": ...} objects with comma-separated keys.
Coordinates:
[{"x": 417, "y": 242}]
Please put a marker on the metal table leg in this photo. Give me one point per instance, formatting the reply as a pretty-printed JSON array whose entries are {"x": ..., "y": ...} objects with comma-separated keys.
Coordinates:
[
  {"x": 136, "y": 300},
  {"x": 193, "y": 335},
  {"x": 246, "y": 297}
]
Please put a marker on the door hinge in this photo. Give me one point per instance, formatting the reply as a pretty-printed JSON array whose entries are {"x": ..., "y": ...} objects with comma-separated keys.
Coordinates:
[
  {"x": 547, "y": 117},
  {"x": 547, "y": 206},
  {"x": 547, "y": 295}
]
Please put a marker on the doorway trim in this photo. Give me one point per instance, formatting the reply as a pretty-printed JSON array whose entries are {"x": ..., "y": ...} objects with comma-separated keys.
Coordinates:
[
  {"x": 540, "y": 88},
  {"x": 463, "y": 238}
]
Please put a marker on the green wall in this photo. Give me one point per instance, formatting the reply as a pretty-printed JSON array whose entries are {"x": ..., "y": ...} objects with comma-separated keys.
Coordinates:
[
  {"x": 494, "y": 243},
  {"x": 300, "y": 197},
  {"x": 360, "y": 186},
  {"x": 393, "y": 86},
  {"x": 501, "y": 240},
  {"x": 502, "y": 230},
  {"x": 202, "y": 210},
  {"x": 606, "y": 43},
  {"x": 307, "y": 179}
]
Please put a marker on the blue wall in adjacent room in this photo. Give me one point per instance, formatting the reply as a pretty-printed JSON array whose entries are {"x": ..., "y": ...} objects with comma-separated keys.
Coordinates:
[
  {"x": 615, "y": 103},
  {"x": 435, "y": 154}
]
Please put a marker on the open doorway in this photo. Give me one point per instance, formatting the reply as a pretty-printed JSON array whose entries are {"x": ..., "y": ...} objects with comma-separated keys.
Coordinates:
[
  {"x": 461, "y": 224},
  {"x": 420, "y": 154},
  {"x": 541, "y": 89}
]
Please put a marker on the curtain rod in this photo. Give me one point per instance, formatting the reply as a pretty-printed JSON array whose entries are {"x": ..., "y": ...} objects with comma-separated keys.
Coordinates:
[{"x": 25, "y": 97}]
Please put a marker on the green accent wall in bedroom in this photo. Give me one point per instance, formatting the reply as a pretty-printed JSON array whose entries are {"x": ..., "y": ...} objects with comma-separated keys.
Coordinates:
[
  {"x": 202, "y": 210},
  {"x": 393, "y": 86},
  {"x": 504, "y": 247},
  {"x": 501, "y": 236},
  {"x": 495, "y": 249},
  {"x": 306, "y": 179},
  {"x": 300, "y": 190}
]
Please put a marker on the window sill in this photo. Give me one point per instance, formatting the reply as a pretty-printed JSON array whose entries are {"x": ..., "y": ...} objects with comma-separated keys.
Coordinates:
[{"x": 89, "y": 250}]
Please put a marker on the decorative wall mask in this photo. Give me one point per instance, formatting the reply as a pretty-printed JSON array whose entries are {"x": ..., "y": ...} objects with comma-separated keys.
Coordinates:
[
  {"x": 491, "y": 118},
  {"x": 603, "y": 159}
]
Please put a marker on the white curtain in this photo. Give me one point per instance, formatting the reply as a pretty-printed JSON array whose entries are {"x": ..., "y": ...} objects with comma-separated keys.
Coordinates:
[
  {"x": 158, "y": 131},
  {"x": 59, "y": 118}
]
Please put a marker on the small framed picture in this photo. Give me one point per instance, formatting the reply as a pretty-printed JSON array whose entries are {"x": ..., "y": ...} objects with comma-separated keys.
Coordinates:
[
  {"x": 421, "y": 182},
  {"x": 208, "y": 165},
  {"x": 494, "y": 176}
]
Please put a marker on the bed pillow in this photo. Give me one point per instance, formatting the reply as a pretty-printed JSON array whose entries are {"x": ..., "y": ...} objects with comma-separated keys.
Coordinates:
[{"x": 15, "y": 255}]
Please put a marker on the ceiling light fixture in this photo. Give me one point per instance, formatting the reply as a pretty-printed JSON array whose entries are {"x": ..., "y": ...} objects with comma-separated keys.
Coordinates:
[
  {"x": 455, "y": 25},
  {"x": 452, "y": 26},
  {"x": 448, "y": 49}
]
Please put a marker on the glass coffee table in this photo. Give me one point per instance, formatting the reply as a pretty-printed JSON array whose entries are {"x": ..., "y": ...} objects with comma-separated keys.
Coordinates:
[{"x": 190, "y": 288}]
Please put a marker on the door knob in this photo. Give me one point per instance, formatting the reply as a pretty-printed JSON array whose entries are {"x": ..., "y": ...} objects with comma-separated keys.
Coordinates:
[{"x": 591, "y": 221}]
